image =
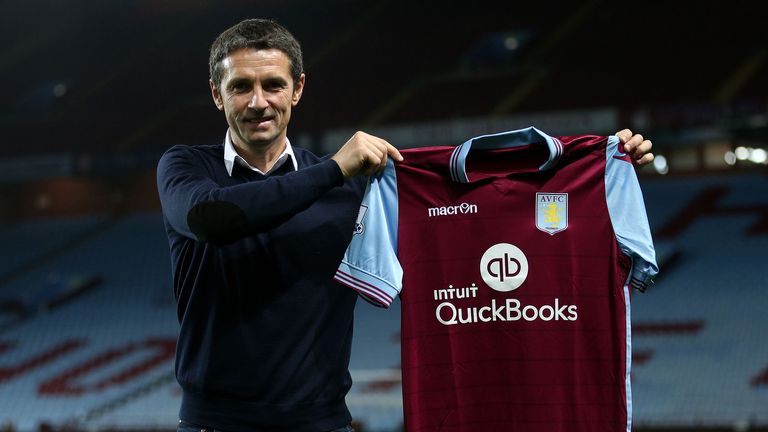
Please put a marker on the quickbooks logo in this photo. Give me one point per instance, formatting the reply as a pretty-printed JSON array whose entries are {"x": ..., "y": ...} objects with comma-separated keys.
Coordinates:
[
  {"x": 504, "y": 268},
  {"x": 463, "y": 208}
]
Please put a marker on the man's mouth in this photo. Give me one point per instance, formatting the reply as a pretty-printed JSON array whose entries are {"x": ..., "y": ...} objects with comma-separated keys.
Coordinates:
[{"x": 258, "y": 121}]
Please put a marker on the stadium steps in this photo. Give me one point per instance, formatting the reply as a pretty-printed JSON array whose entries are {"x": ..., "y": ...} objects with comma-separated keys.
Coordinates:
[
  {"x": 115, "y": 360},
  {"x": 52, "y": 240},
  {"x": 100, "y": 411},
  {"x": 63, "y": 348},
  {"x": 56, "y": 250}
]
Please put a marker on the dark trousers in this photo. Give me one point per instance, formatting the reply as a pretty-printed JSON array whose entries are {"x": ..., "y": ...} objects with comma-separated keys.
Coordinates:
[{"x": 189, "y": 427}]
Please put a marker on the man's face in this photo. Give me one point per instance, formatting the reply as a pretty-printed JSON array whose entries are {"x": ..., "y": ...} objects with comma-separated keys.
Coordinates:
[{"x": 256, "y": 95}]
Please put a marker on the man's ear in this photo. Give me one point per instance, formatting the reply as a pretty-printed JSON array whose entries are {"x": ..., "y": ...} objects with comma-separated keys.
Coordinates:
[
  {"x": 298, "y": 90},
  {"x": 217, "y": 99}
]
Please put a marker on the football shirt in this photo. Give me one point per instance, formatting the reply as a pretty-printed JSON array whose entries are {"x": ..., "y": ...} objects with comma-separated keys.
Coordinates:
[{"x": 514, "y": 255}]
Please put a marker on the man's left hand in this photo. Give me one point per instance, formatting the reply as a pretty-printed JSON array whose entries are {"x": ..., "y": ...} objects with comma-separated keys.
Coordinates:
[{"x": 637, "y": 147}]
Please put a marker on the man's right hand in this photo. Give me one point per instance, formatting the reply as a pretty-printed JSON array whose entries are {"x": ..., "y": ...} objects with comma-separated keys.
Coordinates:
[{"x": 364, "y": 154}]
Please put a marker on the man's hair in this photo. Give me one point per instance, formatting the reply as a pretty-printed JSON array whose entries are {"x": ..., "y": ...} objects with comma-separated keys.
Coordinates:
[{"x": 259, "y": 34}]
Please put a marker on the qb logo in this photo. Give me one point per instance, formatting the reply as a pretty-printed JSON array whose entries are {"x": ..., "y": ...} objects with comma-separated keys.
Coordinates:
[{"x": 504, "y": 267}]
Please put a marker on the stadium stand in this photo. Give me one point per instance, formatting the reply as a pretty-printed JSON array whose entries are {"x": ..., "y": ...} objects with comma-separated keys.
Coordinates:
[
  {"x": 46, "y": 239},
  {"x": 25, "y": 247},
  {"x": 703, "y": 323},
  {"x": 65, "y": 364}
]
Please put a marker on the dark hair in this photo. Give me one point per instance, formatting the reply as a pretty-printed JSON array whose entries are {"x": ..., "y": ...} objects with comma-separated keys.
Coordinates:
[{"x": 259, "y": 34}]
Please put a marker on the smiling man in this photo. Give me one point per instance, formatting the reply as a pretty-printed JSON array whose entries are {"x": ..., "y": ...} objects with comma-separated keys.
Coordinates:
[
  {"x": 257, "y": 95},
  {"x": 257, "y": 229}
]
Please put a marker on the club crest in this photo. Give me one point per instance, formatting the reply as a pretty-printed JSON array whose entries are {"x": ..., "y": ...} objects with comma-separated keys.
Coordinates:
[{"x": 551, "y": 212}]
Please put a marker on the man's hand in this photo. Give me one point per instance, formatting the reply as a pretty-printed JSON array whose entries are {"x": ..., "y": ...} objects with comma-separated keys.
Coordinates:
[
  {"x": 364, "y": 154},
  {"x": 638, "y": 148}
]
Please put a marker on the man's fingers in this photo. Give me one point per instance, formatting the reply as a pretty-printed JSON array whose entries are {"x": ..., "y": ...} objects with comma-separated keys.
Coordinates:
[
  {"x": 376, "y": 157},
  {"x": 387, "y": 148},
  {"x": 631, "y": 144},
  {"x": 641, "y": 154},
  {"x": 636, "y": 146},
  {"x": 394, "y": 153},
  {"x": 365, "y": 154},
  {"x": 624, "y": 135},
  {"x": 646, "y": 159},
  {"x": 379, "y": 161},
  {"x": 644, "y": 147},
  {"x": 380, "y": 150}
]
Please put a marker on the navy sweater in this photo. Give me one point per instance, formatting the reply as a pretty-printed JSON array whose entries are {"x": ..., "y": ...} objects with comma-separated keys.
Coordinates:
[{"x": 265, "y": 333}]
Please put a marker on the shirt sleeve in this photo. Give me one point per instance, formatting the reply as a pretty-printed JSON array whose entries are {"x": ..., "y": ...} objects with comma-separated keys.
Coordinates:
[
  {"x": 628, "y": 216},
  {"x": 370, "y": 265},
  {"x": 196, "y": 206}
]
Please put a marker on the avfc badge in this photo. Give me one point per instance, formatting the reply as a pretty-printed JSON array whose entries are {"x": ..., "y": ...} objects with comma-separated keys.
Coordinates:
[
  {"x": 359, "y": 227},
  {"x": 551, "y": 212}
]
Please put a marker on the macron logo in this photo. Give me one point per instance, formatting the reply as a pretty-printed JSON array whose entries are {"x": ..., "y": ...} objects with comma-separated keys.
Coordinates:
[{"x": 463, "y": 208}]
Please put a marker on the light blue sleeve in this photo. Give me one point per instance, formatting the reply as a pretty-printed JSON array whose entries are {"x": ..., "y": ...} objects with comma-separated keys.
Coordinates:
[
  {"x": 370, "y": 265},
  {"x": 628, "y": 216}
]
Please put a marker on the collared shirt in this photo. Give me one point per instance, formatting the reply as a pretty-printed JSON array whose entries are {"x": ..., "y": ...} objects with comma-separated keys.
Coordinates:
[{"x": 231, "y": 157}]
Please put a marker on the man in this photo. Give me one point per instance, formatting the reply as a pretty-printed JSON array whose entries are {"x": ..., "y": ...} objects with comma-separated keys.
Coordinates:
[{"x": 257, "y": 229}]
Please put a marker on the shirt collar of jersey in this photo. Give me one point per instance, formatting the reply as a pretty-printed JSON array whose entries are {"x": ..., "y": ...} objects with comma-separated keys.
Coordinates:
[
  {"x": 505, "y": 140},
  {"x": 231, "y": 157}
]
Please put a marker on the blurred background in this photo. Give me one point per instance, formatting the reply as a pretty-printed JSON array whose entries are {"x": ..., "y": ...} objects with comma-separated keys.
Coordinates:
[{"x": 96, "y": 90}]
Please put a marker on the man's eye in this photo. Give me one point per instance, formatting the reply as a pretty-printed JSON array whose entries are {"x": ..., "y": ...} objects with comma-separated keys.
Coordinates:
[
  {"x": 239, "y": 87},
  {"x": 276, "y": 86}
]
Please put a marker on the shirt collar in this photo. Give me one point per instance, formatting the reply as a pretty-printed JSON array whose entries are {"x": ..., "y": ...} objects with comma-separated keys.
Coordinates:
[{"x": 231, "y": 158}]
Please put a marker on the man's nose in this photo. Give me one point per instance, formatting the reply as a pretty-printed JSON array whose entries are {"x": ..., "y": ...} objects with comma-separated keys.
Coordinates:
[{"x": 258, "y": 101}]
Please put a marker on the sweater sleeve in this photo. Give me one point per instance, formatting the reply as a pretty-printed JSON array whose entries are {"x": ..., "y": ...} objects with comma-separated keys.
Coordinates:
[{"x": 197, "y": 207}]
